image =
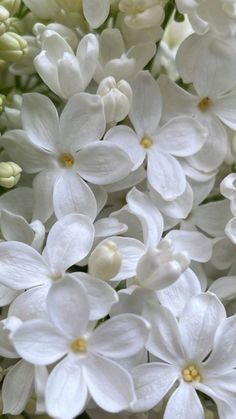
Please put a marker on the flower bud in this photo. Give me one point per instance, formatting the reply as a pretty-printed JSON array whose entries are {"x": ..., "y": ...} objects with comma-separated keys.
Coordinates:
[
  {"x": 16, "y": 25},
  {"x": 105, "y": 261},
  {"x": 9, "y": 174},
  {"x": 12, "y": 6},
  {"x": 116, "y": 98},
  {"x": 12, "y": 47},
  {"x": 4, "y": 20}
]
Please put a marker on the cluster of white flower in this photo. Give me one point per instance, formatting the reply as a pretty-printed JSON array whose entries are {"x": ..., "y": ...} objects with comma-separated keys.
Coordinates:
[{"x": 117, "y": 270}]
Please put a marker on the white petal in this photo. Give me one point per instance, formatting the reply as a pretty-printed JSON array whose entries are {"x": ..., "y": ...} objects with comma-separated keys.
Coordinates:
[
  {"x": 109, "y": 226},
  {"x": 225, "y": 407},
  {"x": 111, "y": 45},
  {"x": 66, "y": 390},
  {"x": 223, "y": 356},
  {"x": 173, "y": 94},
  {"x": 31, "y": 304},
  {"x": 152, "y": 382},
  {"x": 16, "y": 228},
  {"x": 125, "y": 138},
  {"x": 224, "y": 287},
  {"x": 224, "y": 386},
  {"x": 82, "y": 121},
  {"x": 165, "y": 174},
  {"x": 17, "y": 387},
  {"x": 68, "y": 307},
  {"x": 223, "y": 253},
  {"x": 151, "y": 219},
  {"x": 87, "y": 53},
  {"x": 69, "y": 241},
  {"x": 224, "y": 108},
  {"x": 72, "y": 195},
  {"x": 182, "y": 136},
  {"x": 46, "y": 68},
  {"x": 198, "y": 323},
  {"x": 179, "y": 207},
  {"x": 208, "y": 79},
  {"x": 183, "y": 401},
  {"x": 18, "y": 201},
  {"x": 6, "y": 348},
  {"x": 43, "y": 185},
  {"x": 207, "y": 217},
  {"x": 21, "y": 266},
  {"x": 96, "y": 163},
  {"x": 69, "y": 76},
  {"x": 97, "y": 13},
  {"x": 29, "y": 156},
  {"x": 40, "y": 120},
  {"x": 194, "y": 243},
  {"x": 164, "y": 340},
  {"x": 39, "y": 342},
  {"x": 146, "y": 107},
  {"x": 101, "y": 295},
  {"x": 122, "y": 336},
  {"x": 7, "y": 295},
  {"x": 214, "y": 150},
  {"x": 110, "y": 385},
  {"x": 178, "y": 294},
  {"x": 44, "y": 10}
]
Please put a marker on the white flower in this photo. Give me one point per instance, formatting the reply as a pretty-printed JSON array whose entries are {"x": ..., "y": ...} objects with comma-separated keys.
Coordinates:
[
  {"x": 183, "y": 346},
  {"x": 86, "y": 367},
  {"x": 211, "y": 106},
  {"x": 22, "y": 268},
  {"x": 180, "y": 137},
  {"x": 65, "y": 152},
  {"x": 63, "y": 71}
]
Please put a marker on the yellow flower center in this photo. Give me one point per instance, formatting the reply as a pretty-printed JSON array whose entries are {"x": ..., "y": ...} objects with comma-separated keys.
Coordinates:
[
  {"x": 79, "y": 345},
  {"x": 191, "y": 373},
  {"x": 204, "y": 104},
  {"x": 67, "y": 160},
  {"x": 146, "y": 142}
]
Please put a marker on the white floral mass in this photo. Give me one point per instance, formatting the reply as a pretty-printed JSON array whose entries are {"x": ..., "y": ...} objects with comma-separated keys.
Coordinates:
[{"x": 118, "y": 209}]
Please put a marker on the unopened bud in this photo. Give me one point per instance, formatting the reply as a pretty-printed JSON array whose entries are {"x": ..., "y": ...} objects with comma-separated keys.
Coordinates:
[
  {"x": 116, "y": 98},
  {"x": 105, "y": 261},
  {"x": 4, "y": 20},
  {"x": 16, "y": 25},
  {"x": 12, "y": 6},
  {"x": 9, "y": 174},
  {"x": 12, "y": 47}
]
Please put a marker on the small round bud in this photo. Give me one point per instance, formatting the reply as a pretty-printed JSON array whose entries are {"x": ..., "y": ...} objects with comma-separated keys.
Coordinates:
[
  {"x": 4, "y": 20},
  {"x": 117, "y": 98},
  {"x": 9, "y": 174},
  {"x": 12, "y": 47},
  {"x": 12, "y": 6},
  {"x": 105, "y": 261}
]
